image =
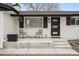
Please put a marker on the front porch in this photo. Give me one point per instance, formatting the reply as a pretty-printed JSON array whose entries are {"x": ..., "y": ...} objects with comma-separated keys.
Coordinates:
[
  {"x": 38, "y": 46},
  {"x": 38, "y": 43}
]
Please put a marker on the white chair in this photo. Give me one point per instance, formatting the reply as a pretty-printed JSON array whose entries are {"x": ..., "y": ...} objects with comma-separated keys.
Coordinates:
[
  {"x": 39, "y": 33},
  {"x": 22, "y": 34}
]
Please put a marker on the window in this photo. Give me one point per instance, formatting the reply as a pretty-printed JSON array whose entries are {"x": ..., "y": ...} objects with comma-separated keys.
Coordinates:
[
  {"x": 33, "y": 22},
  {"x": 54, "y": 32},
  {"x": 72, "y": 21},
  {"x": 77, "y": 22},
  {"x": 55, "y": 20},
  {"x": 55, "y": 26}
]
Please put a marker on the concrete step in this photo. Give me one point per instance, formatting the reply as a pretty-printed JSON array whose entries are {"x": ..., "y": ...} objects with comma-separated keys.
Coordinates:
[
  {"x": 59, "y": 40},
  {"x": 28, "y": 44},
  {"x": 61, "y": 44},
  {"x": 15, "y": 45},
  {"x": 55, "y": 43}
]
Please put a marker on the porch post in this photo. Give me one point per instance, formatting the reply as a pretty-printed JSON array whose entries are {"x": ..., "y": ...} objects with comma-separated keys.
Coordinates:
[{"x": 1, "y": 29}]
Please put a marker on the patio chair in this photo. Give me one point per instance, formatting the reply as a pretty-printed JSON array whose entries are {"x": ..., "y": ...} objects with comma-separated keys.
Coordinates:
[
  {"x": 22, "y": 34},
  {"x": 39, "y": 33}
]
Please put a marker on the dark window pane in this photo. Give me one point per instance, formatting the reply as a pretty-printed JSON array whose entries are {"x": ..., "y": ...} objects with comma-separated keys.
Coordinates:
[
  {"x": 72, "y": 21},
  {"x": 45, "y": 22},
  {"x": 68, "y": 20},
  {"x": 77, "y": 22}
]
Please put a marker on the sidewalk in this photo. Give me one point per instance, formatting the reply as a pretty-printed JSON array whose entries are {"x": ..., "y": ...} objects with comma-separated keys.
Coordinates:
[{"x": 37, "y": 51}]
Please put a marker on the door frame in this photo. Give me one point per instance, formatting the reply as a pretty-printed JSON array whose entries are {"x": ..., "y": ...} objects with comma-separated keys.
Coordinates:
[{"x": 58, "y": 18}]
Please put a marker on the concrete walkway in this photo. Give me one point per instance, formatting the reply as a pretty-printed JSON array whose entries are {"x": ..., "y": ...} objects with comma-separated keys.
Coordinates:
[{"x": 37, "y": 51}]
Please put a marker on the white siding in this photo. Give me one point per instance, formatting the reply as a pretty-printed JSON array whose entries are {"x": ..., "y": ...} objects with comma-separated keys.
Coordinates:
[
  {"x": 31, "y": 31},
  {"x": 9, "y": 24},
  {"x": 47, "y": 31},
  {"x": 68, "y": 31},
  {"x": 1, "y": 25},
  {"x": 1, "y": 29},
  {"x": 15, "y": 25}
]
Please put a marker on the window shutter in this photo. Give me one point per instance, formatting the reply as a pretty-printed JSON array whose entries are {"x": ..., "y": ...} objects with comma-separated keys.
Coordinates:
[
  {"x": 21, "y": 22},
  {"x": 45, "y": 23},
  {"x": 67, "y": 20}
]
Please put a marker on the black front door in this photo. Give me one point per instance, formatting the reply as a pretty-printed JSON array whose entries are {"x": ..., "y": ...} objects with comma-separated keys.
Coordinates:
[{"x": 55, "y": 26}]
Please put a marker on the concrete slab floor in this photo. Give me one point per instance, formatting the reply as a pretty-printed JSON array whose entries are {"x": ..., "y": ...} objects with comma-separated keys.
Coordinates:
[
  {"x": 34, "y": 51},
  {"x": 7, "y": 51},
  {"x": 20, "y": 51},
  {"x": 66, "y": 51},
  {"x": 48, "y": 51}
]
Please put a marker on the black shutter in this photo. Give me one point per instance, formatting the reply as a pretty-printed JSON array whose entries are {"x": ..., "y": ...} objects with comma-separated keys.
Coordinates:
[
  {"x": 68, "y": 20},
  {"x": 21, "y": 22},
  {"x": 45, "y": 22}
]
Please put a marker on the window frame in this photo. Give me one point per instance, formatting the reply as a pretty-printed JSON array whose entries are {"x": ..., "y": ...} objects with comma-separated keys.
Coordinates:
[
  {"x": 32, "y": 27},
  {"x": 76, "y": 19}
]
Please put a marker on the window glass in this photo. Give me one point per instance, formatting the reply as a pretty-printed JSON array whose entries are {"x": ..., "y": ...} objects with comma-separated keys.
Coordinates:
[
  {"x": 54, "y": 32},
  {"x": 33, "y": 22},
  {"x": 77, "y": 22},
  {"x": 55, "y": 20},
  {"x": 55, "y": 26},
  {"x": 72, "y": 21}
]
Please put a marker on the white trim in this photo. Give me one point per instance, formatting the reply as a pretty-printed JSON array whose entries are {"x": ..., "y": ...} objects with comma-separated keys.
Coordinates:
[{"x": 33, "y": 17}]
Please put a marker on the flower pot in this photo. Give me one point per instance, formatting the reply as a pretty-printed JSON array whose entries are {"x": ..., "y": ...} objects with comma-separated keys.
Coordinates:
[{"x": 12, "y": 37}]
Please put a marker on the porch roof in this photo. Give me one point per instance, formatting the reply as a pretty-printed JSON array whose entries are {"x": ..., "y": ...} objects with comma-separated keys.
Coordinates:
[
  {"x": 47, "y": 13},
  {"x": 5, "y": 7}
]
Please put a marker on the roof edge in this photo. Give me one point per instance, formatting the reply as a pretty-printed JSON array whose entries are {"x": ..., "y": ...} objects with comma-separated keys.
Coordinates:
[{"x": 10, "y": 8}]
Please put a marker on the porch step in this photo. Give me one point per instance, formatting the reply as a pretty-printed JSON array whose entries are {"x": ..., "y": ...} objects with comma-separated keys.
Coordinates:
[
  {"x": 28, "y": 45},
  {"x": 15, "y": 45},
  {"x": 41, "y": 43},
  {"x": 61, "y": 43}
]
